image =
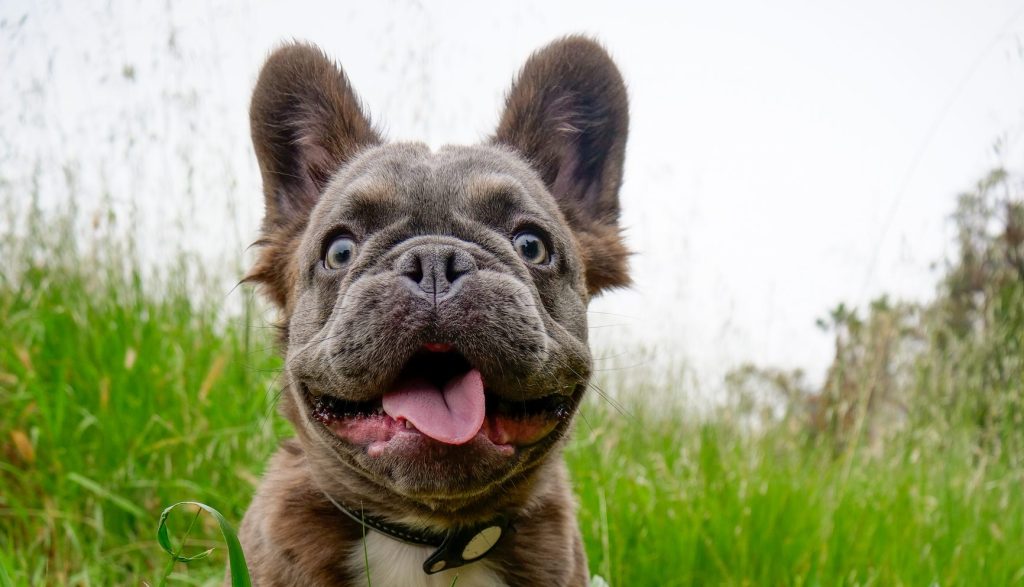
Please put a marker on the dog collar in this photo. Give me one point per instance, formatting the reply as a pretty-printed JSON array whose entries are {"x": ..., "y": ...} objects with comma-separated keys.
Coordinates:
[{"x": 454, "y": 548}]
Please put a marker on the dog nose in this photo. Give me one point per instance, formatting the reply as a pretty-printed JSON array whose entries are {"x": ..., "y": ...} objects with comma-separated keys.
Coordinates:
[{"x": 435, "y": 270}]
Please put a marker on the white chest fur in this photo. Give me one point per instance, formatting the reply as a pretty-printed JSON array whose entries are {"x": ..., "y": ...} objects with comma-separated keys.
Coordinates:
[{"x": 395, "y": 564}]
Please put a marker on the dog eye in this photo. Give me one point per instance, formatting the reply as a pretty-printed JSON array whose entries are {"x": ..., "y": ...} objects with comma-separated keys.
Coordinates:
[
  {"x": 531, "y": 248},
  {"x": 340, "y": 252}
]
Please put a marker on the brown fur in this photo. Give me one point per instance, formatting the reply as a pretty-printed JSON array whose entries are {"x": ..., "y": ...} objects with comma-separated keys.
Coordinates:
[
  {"x": 293, "y": 535},
  {"x": 555, "y": 164}
]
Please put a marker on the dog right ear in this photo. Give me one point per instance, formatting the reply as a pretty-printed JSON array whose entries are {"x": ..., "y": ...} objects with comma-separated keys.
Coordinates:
[
  {"x": 568, "y": 114},
  {"x": 306, "y": 122}
]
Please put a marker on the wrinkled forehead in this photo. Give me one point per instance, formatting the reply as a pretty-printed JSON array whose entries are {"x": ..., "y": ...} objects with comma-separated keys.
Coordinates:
[{"x": 489, "y": 184}]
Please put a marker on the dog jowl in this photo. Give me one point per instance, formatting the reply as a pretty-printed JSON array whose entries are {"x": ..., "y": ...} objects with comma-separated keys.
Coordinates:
[{"x": 434, "y": 326}]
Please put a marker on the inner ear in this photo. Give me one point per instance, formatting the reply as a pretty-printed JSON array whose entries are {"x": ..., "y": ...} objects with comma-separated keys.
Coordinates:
[
  {"x": 306, "y": 122},
  {"x": 567, "y": 113}
]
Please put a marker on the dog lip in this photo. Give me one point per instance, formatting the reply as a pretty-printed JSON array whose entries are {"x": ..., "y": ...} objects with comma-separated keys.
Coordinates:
[
  {"x": 437, "y": 347},
  {"x": 557, "y": 405},
  {"x": 410, "y": 442},
  {"x": 508, "y": 425},
  {"x": 510, "y": 419}
]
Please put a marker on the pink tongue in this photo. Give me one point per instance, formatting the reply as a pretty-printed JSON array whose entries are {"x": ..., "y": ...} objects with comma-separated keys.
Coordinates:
[{"x": 452, "y": 416}]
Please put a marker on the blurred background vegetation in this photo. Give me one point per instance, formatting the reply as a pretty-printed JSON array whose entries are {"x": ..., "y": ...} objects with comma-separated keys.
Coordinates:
[
  {"x": 955, "y": 361},
  {"x": 124, "y": 389}
]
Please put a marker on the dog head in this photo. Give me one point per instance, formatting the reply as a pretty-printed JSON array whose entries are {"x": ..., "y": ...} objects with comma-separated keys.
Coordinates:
[{"x": 434, "y": 302}]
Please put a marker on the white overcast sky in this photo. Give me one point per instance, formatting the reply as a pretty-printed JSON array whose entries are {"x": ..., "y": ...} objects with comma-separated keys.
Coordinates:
[{"x": 783, "y": 156}]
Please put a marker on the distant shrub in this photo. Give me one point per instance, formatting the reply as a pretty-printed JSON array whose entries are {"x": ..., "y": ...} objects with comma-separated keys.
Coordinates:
[{"x": 954, "y": 363}]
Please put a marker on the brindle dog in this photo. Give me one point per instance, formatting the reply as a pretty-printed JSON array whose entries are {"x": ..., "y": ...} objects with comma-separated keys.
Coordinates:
[{"x": 434, "y": 326}]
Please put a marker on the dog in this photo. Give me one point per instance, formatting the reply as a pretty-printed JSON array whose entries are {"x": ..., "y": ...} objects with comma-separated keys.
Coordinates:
[{"x": 434, "y": 326}]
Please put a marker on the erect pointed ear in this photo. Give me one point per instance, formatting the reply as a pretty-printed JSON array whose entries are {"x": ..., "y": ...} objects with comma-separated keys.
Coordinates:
[
  {"x": 567, "y": 113},
  {"x": 306, "y": 122}
]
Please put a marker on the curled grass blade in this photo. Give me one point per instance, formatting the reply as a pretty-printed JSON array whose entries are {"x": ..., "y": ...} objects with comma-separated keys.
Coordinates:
[{"x": 236, "y": 558}]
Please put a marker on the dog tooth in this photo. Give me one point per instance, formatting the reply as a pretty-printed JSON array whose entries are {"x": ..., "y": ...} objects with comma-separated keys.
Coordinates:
[{"x": 408, "y": 424}]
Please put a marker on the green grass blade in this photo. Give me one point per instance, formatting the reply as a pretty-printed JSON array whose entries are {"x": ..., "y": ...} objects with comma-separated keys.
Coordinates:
[
  {"x": 236, "y": 558},
  {"x": 5, "y": 579},
  {"x": 105, "y": 493}
]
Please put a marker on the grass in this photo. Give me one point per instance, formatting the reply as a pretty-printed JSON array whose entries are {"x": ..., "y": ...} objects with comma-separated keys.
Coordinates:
[
  {"x": 707, "y": 506},
  {"x": 123, "y": 392}
]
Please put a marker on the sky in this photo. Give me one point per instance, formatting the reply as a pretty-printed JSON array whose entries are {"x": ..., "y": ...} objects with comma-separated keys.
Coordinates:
[{"x": 783, "y": 157}]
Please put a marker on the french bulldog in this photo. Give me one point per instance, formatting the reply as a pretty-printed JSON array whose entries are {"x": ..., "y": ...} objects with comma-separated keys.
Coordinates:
[{"x": 433, "y": 312}]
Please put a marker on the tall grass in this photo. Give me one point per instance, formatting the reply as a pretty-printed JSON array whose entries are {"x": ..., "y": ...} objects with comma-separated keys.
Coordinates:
[
  {"x": 666, "y": 503},
  {"x": 124, "y": 391},
  {"x": 120, "y": 393}
]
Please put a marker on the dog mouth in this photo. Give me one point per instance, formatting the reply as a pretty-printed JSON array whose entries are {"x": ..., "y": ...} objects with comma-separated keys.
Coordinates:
[{"x": 439, "y": 399}]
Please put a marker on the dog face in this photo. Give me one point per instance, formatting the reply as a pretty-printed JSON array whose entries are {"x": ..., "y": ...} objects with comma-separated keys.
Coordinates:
[{"x": 434, "y": 303}]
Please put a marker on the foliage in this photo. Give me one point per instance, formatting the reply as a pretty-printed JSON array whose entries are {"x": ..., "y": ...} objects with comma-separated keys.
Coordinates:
[{"x": 122, "y": 392}]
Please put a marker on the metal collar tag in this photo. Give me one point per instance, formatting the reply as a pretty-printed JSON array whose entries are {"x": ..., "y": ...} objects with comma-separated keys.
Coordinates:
[{"x": 465, "y": 545}]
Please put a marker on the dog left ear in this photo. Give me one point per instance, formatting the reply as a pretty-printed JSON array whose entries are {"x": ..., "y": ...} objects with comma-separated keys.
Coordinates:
[
  {"x": 306, "y": 123},
  {"x": 568, "y": 114}
]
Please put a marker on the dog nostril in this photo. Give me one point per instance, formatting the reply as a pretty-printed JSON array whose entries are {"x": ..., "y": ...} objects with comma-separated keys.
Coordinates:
[
  {"x": 458, "y": 264},
  {"x": 413, "y": 268}
]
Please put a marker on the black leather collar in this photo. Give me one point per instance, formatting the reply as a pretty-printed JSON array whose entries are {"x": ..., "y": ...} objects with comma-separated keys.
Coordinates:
[{"x": 453, "y": 548}]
